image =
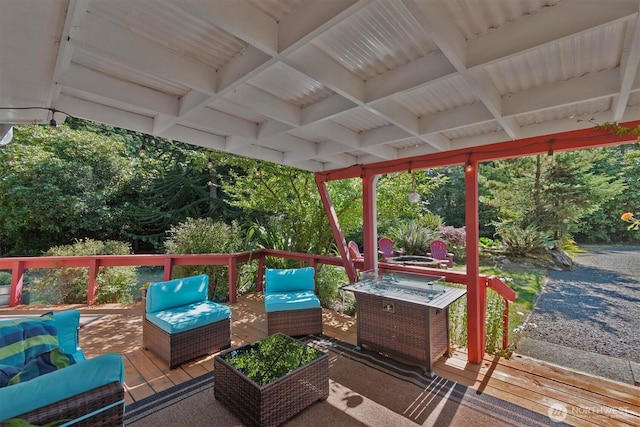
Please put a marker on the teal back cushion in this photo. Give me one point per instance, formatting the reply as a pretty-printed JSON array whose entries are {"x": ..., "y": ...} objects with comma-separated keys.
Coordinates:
[
  {"x": 67, "y": 323},
  {"x": 290, "y": 279},
  {"x": 176, "y": 293}
]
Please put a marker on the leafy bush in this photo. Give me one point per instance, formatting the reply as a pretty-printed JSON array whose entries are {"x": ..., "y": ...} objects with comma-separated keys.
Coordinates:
[
  {"x": 5, "y": 278},
  {"x": 204, "y": 236},
  {"x": 520, "y": 242},
  {"x": 431, "y": 221},
  {"x": 494, "y": 328},
  {"x": 329, "y": 278},
  {"x": 413, "y": 237},
  {"x": 456, "y": 239},
  {"x": 69, "y": 285}
]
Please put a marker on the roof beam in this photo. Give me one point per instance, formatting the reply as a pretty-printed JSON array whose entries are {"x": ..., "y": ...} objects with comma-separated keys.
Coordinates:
[
  {"x": 142, "y": 54},
  {"x": 628, "y": 69}
]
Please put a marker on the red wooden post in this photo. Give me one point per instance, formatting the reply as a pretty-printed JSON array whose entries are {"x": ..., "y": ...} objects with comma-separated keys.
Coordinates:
[
  {"x": 233, "y": 279},
  {"x": 17, "y": 280},
  {"x": 260, "y": 272},
  {"x": 92, "y": 292},
  {"x": 168, "y": 268},
  {"x": 505, "y": 325},
  {"x": 335, "y": 227},
  {"x": 476, "y": 288},
  {"x": 369, "y": 226}
]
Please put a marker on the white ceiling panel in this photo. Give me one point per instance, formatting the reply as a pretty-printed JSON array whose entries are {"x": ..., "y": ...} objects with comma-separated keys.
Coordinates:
[{"x": 318, "y": 84}]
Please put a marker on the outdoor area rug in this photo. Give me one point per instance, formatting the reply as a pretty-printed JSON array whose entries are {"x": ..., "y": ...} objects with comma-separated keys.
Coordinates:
[{"x": 366, "y": 389}]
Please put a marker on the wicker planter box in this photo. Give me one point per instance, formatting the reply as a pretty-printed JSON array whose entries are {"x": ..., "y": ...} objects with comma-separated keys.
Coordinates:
[{"x": 276, "y": 401}]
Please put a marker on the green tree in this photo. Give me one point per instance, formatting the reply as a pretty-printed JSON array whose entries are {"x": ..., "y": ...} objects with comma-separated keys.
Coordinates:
[
  {"x": 553, "y": 196},
  {"x": 204, "y": 236},
  {"x": 393, "y": 205},
  {"x": 289, "y": 212},
  {"x": 58, "y": 184},
  {"x": 604, "y": 224}
]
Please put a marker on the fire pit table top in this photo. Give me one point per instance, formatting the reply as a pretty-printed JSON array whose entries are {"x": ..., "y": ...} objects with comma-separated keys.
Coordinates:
[{"x": 416, "y": 288}]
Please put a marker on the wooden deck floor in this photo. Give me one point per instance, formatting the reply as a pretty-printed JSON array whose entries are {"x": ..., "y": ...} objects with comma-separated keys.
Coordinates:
[{"x": 521, "y": 380}]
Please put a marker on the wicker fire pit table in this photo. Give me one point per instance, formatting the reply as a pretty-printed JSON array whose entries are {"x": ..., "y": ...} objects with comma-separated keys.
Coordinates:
[
  {"x": 269, "y": 381},
  {"x": 404, "y": 314}
]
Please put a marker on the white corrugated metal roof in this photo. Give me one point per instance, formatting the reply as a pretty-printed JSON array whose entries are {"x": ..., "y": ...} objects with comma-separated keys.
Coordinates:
[{"x": 324, "y": 84}]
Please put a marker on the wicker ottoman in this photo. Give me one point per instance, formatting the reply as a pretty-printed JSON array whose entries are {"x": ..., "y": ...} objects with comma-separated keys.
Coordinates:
[{"x": 280, "y": 399}]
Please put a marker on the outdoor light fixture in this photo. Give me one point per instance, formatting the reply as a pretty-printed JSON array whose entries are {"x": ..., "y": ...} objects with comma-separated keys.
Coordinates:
[
  {"x": 550, "y": 155},
  {"x": 468, "y": 166},
  {"x": 414, "y": 197},
  {"x": 210, "y": 163},
  {"x": 52, "y": 121},
  {"x": 143, "y": 150}
]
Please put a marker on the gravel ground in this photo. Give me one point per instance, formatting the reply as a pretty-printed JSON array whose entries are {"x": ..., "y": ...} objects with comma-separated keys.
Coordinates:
[{"x": 595, "y": 307}]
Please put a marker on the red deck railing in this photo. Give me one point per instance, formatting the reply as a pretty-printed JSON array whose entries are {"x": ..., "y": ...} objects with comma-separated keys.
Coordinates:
[{"x": 18, "y": 265}]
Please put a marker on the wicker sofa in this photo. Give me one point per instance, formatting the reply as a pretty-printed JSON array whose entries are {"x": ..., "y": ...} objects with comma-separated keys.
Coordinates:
[
  {"x": 290, "y": 302},
  {"x": 180, "y": 323},
  {"x": 89, "y": 391}
]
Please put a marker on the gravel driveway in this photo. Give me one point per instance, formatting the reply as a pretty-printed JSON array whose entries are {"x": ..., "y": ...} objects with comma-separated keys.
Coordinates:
[{"x": 595, "y": 307}]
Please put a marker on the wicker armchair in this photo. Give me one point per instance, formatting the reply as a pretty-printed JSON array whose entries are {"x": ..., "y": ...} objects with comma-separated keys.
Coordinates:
[
  {"x": 180, "y": 323},
  {"x": 290, "y": 302}
]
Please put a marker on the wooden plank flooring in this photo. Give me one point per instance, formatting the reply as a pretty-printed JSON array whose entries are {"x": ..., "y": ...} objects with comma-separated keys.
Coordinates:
[{"x": 524, "y": 381}]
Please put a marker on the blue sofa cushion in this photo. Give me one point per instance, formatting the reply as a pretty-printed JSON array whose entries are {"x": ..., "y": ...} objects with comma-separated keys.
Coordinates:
[
  {"x": 178, "y": 292},
  {"x": 190, "y": 316},
  {"x": 6, "y": 373},
  {"x": 283, "y": 301},
  {"x": 11, "y": 345},
  {"x": 61, "y": 384},
  {"x": 41, "y": 364},
  {"x": 23, "y": 339},
  {"x": 289, "y": 279}
]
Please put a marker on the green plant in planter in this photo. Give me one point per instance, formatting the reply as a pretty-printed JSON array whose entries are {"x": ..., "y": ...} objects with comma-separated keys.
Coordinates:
[{"x": 271, "y": 358}]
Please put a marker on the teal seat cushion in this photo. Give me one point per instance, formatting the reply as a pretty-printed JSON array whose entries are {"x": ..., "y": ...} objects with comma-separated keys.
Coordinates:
[
  {"x": 283, "y": 301},
  {"x": 289, "y": 279},
  {"x": 178, "y": 292},
  {"x": 184, "y": 318},
  {"x": 61, "y": 384}
]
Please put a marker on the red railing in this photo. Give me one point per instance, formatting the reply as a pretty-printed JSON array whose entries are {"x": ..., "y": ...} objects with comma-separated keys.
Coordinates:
[{"x": 94, "y": 262}]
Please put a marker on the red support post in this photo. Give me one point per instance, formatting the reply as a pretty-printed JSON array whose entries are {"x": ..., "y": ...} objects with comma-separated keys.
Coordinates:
[
  {"x": 505, "y": 325},
  {"x": 260, "y": 272},
  {"x": 233, "y": 280},
  {"x": 17, "y": 280},
  {"x": 369, "y": 225},
  {"x": 168, "y": 268},
  {"x": 476, "y": 288},
  {"x": 341, "y": 243},
  {"x": 92, "y": 292}
]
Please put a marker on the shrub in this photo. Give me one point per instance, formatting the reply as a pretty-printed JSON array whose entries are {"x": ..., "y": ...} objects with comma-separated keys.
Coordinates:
[
  {"x": 5, "y": 278},
  {"x": 69, "y": 285},
  {"x": 431, "y": 221},
  {"x": 204, "y": 236},
  {"x": 494, "y": 327},
  {"x": 413, "y": 237},
  {"x": 521, "y": 242},
  {"x": 456, "y": 239},
  {"x": 329, "y": 278}
]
